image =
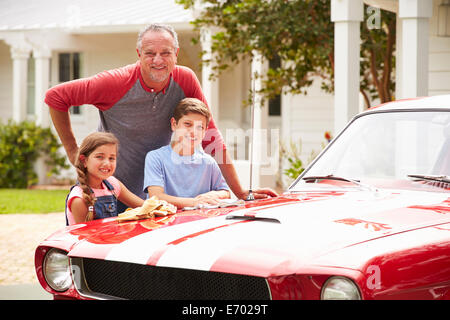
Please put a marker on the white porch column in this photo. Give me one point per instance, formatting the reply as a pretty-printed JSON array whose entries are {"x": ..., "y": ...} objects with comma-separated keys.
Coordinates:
[
  {"x": 42, "y": 81},
  {"x": 210, "y": 87},
  {"x": 20, "y": 55},
  {"x": 414, "y": 16},
  {"x": 346, "y": 15},
  {"x": 398, "y": 59}
]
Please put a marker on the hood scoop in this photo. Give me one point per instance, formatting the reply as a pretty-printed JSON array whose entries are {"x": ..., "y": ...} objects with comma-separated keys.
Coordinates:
[{"x": 252, "y": 216}]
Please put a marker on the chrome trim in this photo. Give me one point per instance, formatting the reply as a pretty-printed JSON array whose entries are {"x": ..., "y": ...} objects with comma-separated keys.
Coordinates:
[
  {"x": 80, "y": 282},
  {"x": 268, "y": 289}
]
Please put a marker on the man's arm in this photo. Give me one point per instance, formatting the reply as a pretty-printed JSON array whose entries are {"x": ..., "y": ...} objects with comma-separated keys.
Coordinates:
[
  {"x": 102, "y": 90},
  {"x": 229, "y": 173},
  {"x": 61, "y": 121}
]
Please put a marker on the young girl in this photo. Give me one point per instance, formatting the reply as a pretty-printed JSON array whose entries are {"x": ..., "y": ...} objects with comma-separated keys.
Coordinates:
[{"x": 96, "y": 192}]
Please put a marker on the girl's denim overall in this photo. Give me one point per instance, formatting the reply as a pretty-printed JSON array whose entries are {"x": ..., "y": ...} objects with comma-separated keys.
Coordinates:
[{"x": 104, "y": 207}]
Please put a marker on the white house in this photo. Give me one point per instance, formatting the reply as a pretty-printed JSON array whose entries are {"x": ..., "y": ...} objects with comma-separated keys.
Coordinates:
[
  {"x": 46, "y": 42},
  {"x": 422, "y": 50}
]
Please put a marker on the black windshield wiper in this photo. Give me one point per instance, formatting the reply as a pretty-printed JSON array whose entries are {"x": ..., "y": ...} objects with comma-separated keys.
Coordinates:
[
  {"x": 430, "y": 177},
  {"x": 332, "y": 177}
]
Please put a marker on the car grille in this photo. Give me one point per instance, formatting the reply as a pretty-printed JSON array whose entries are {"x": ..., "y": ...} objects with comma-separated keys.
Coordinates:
[{"x": 141, "y": 282}]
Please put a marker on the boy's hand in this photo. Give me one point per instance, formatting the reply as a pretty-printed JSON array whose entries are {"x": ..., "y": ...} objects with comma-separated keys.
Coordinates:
[{"x": 206, "y": 198}]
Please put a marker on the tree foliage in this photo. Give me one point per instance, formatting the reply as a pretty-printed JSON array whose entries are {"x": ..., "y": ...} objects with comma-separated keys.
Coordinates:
[
  {"x": 301, "y": 34},
  {"x": 377, "y": 57}
]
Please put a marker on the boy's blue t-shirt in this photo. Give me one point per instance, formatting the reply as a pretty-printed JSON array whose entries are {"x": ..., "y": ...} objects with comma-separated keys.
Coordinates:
[{"x": 182, "y": 176}]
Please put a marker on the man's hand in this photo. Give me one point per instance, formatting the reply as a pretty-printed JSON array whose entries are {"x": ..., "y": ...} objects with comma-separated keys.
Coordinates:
[
  {"x": 260, "y": 193},
  {"x": 229, "y": 173}
]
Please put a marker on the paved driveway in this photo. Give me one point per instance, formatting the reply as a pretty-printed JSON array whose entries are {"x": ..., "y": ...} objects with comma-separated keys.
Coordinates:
[
  {"x": 19, "y": 236},
  {"x": 24, "y": 292}
]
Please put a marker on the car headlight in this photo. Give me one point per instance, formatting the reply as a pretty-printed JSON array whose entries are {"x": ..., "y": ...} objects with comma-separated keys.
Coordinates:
[
  {"x": 57, "y": 270},
  {"x": 340, "y": 288}
]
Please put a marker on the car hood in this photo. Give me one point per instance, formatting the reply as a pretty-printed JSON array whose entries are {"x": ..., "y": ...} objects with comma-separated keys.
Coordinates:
[{"x": 264, "y": 238}]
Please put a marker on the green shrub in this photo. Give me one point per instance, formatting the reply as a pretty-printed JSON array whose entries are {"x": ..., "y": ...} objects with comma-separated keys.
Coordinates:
[
  {"x": 292, "y": 154},
  {"x": 295, "y": 169},
  {"x": 21, "y": 144}
]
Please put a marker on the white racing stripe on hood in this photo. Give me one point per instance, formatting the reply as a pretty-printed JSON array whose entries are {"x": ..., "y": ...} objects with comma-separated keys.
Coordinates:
[
  {"x": 140, "y": 248},
  {"x": 202, "y": 252}
]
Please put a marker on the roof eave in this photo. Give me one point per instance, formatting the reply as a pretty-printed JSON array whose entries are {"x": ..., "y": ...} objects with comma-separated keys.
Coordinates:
[{"x": 95, "y": 29}]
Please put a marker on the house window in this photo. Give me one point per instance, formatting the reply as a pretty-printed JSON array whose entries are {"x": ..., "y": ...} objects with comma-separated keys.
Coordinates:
[
  {"x": 70, "y": 69},
  {"x": 275, "y": 103}
]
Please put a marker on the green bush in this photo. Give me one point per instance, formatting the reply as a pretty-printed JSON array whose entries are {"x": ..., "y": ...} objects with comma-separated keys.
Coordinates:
[
  {"x": 21, "y": 144},
  {"x": 295, "y": 169},
  {"x": 292, "y": 154}
]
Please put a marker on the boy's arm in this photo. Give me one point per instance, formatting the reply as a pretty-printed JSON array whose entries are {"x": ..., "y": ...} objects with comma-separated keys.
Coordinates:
[
  {"x": 181, "y": 202},
  {"x": 217, "y": 194}
]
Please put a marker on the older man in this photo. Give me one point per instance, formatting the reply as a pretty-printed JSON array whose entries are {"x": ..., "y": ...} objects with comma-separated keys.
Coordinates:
[{"x": 135, "y": 103}]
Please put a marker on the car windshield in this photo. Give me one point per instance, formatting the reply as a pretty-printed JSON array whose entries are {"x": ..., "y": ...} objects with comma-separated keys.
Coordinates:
[{"x": 397, "y": 149}]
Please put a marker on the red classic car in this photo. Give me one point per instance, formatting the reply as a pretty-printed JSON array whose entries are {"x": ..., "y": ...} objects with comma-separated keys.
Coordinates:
[{"x": 368, "y": 219}]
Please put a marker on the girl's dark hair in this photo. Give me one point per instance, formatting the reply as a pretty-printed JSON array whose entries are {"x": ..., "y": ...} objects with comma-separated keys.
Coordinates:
[{"x": 89, "y": 144}]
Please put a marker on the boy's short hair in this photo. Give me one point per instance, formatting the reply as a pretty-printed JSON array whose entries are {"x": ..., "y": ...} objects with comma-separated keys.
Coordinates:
[{"x": 188, "y": 105}]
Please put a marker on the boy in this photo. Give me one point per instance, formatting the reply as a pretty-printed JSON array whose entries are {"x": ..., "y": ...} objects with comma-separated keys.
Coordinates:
[{"x": 182, "y": 173}]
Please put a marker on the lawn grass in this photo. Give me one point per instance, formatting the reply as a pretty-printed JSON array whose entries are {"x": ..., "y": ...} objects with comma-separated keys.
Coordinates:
[{"x": 32, "y": 201}]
